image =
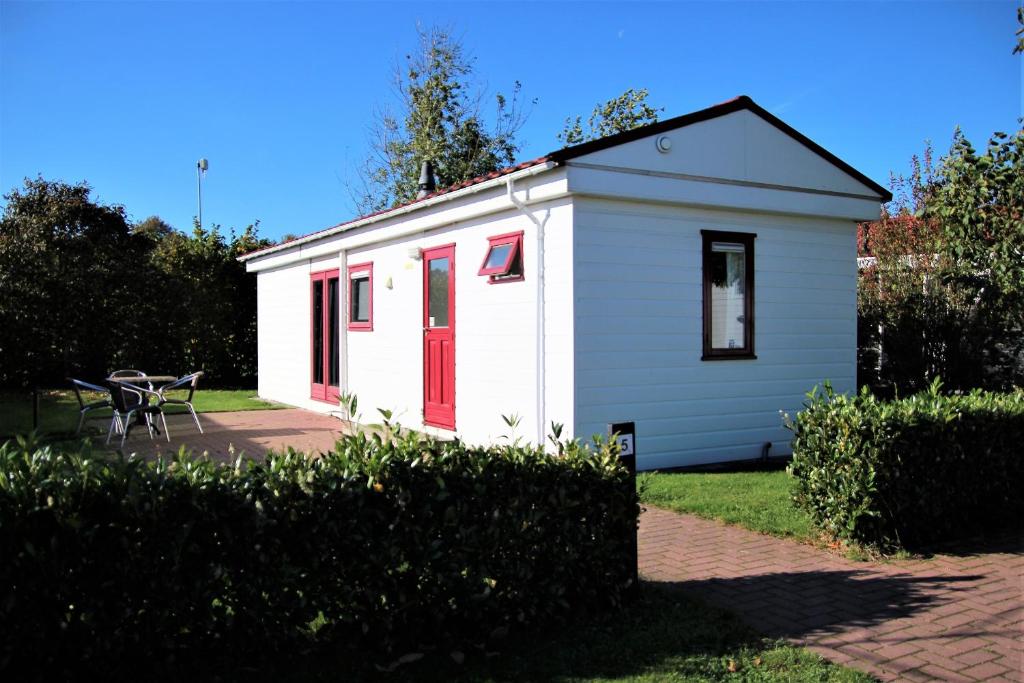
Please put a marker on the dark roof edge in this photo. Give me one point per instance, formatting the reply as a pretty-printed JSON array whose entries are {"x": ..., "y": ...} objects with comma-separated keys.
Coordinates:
[{"x": 728, "y": 107}]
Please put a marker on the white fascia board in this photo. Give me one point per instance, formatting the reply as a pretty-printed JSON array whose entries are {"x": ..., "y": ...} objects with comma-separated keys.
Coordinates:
[
  {"x": 637, "y": 184},
  {"x": 470, "y": 202}
]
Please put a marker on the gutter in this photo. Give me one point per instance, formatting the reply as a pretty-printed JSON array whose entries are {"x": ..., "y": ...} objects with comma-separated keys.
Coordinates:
[{"x": 401, "y": 211}]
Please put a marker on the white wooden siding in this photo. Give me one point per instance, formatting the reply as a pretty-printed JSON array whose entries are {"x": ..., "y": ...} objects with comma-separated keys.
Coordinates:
[
  {"x": 638, "y": 318},
  {"x": 282, "y": 310},
  {"x": 496, "y": 325},
  {"x": 740, "y": 146},
  {"x": 559, "y": 327}
]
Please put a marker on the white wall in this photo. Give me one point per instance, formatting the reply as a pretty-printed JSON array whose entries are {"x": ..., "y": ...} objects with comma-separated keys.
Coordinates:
[
  {"x": 740, "y": 146},
  {"x": 559, "y": 325},
  {"x": 283, "y": 333},
  {"x": 639, "y": 322},
  {"x": 495, "y": 337}
]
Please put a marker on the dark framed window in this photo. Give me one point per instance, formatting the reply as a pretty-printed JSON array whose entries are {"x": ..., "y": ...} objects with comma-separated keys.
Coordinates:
[
  {"x": 503, "y": 261},
  {"x": 360, "y": 296},
  {"x": 728, "y": 277},
  {"x": 325, "y": 365}
]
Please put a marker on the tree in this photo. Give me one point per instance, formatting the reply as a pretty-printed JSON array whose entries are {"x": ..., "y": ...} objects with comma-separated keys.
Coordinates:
[
  {"x": 207, "y": 303},
  {"x": 70, "y": 271},
  {"x": 439, "y": 119},
  {"x": 945, "y": 294},
  {"x": 979, "y": 201},
  {"x": 83, "y": 292},
  {"x": 1019, "y": 48},
  {"x": 154, "y": 227},
  {"x": 625, "y": 112},
  {"x": 908, "y": 326}
]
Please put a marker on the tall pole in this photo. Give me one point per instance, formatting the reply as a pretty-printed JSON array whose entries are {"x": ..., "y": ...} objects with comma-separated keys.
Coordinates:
[
  {"x": 199, "y": 183},
  {"x": 201, "y": 167}
]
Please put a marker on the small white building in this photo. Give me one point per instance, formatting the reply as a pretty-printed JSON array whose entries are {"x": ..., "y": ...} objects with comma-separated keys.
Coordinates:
[{"x": 695, "y": 276}]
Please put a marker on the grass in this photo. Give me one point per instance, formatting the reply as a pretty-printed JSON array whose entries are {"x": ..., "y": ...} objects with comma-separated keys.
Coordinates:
[
  {"x": 58, "y": 409},
  {"x": 662, "y": 636},
  {"x": 758, "y": 501}
]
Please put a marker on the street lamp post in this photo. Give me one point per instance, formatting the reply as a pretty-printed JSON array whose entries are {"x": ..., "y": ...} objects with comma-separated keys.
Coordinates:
[{"x": 201, "y": 167}]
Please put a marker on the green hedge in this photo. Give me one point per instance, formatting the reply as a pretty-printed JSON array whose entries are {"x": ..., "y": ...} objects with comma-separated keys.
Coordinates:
[
  {"x": 379, "y": 551},
  {"x": 916, "y": 470}
]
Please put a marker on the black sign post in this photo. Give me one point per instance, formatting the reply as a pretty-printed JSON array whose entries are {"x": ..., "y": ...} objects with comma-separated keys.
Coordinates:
[{"x": 625, "y": 434}]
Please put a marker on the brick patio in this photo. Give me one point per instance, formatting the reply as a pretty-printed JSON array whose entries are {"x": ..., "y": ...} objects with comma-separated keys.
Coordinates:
[
  {"x": 253, "y": 432},
  {"x": 954, "y": 617}
]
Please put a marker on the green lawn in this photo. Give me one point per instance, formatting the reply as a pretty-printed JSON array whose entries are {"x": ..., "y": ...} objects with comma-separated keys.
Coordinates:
[
  {"x": 758, "y": 501},
  {"x": 662, "y": 636},
  {"x": 58, "y": 409}
]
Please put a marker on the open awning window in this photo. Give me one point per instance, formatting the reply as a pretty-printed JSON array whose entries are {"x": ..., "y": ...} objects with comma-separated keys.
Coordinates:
[{"x": 504, "y": 258}]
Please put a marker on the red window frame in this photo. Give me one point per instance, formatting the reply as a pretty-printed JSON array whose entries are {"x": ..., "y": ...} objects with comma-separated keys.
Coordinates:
[
  {"x": 500, "y": 273},
  {"x": 354, "y": 271},
  {"x": 324, "y": 391}
]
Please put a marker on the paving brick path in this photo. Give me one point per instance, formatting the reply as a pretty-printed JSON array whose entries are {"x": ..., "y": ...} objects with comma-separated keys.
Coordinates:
[{"x": 955, "y": 617}]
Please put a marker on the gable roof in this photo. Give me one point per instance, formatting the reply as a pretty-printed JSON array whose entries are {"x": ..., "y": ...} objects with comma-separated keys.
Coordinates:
[
  {"x": 560, "y": 156},
  {"x": 728, "y": 107}
]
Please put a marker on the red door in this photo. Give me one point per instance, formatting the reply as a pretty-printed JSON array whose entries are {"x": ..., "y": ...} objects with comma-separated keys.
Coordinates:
[
  {"x": 439, "y": 336},
  {"x": 325, "y": 362}
]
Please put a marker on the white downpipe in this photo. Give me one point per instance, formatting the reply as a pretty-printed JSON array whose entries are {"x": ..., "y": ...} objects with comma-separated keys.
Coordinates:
[{"x": 541, "y": 417}]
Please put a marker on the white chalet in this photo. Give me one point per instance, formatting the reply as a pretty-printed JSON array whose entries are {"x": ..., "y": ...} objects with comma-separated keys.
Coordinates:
[{"x": 694, "y": 276}]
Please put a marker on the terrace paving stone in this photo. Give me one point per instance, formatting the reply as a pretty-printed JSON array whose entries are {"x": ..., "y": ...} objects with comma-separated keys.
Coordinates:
[
  {"x": 253, "y": 432},
  {"x": 953, "y": 617}
]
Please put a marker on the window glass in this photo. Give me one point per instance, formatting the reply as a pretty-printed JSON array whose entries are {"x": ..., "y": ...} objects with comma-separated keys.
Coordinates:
[
  {"x": 437, "y": 295},
  {"x": 515, "y": 269},
  {"x": 728, "y": 295},
  {"x": 498, "y": 256},
  {"x": 333, "y": 360},
  {"x": 318, "y": 332},
  {"x": 360, "y": 299}
]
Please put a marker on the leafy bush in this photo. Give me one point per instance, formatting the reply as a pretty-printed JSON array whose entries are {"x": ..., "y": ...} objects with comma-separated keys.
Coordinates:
[
  {"x": 910, "y": 471},
  {"x": 380, "y": 550},
  {"x": 943, "y": 292},
  {"x": 84, "y": 291}
]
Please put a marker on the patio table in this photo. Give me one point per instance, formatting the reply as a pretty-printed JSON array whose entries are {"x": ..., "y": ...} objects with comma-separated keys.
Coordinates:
[
  {"x": 155, "y": 380},
  {"x": 149, "y": 381}
]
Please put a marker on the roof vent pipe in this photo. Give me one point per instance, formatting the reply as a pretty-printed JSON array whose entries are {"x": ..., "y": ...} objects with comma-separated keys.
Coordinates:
[{"x": 427, "y": 184}]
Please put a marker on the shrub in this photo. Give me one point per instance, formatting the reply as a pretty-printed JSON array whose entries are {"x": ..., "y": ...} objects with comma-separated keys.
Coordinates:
[
  {"x": 72, "y": 271},
  {"x": 379, "y": 550},
  {"x": 944, "y": 294},
  {"x": 910, "y": 471}
]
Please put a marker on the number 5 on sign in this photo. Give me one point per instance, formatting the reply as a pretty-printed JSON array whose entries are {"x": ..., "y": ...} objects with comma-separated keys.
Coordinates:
[{"x": 625, "y": 435}]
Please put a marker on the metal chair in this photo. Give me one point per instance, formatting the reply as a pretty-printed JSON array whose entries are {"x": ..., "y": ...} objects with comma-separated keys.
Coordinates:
[
  {"x": 190, "y": 381},
  {"x": 83, "y": 407},
  {"x": 131, "y": 402}
]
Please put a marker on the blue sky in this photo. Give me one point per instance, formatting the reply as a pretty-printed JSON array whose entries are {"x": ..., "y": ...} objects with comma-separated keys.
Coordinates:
[{"x": 279, "y": 96}]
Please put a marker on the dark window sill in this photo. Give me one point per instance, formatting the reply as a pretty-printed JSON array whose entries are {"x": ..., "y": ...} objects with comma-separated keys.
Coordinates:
[{"x": 729, "y": 356}]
